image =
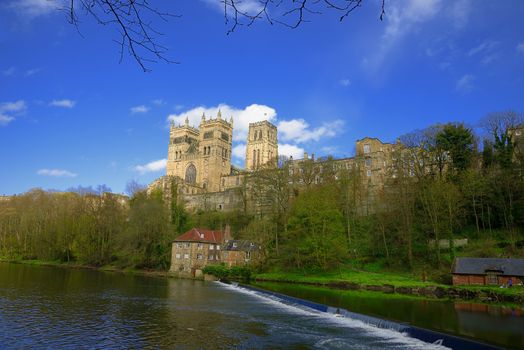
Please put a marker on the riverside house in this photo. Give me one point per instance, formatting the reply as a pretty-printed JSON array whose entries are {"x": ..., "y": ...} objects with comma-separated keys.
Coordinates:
[
  {"x": 487, "y": 271},
  {"x": 195, "y": 249},
  {"x": 240, "y": 252}
]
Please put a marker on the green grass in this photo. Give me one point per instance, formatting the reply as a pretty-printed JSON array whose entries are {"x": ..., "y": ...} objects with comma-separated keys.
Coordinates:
[
  {"x": 362, "y": 278},
  {"x": 348, "y": 275}
]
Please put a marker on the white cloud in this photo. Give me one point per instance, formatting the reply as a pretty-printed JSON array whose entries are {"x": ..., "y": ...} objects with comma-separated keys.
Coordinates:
[
  {"x": 246, "y": 6},
  {"x": 241, "y": 117},
  {"x": 465, "y": 83},
  {"x": 153, "y": 166},
  {"x": 402, "y": 18},
  {"x": 239, "y": 151},
  {"x": 520, "y": 48},
  {"x": 36, "y": 8},
  {"x": 9, "y": 109},
  {"x": 65, "y": 103},
  {"x": 288, "y": 150},
  {"x": 32, "y": 71},
  {"x": 345, "y": 82},
  {"x": 139, "y": 109},
  {"x": 459, "y": 12},
  {"x": 298, "y": 131},
  {"x": 17, "y": 106},
  {"x": 5, "y": 119},
  {"x": 158, "y": 102},
  {"x": 484, "y": 48},
  {"x": 487, "y": 50},
  {"x": 56, "y": 173},
  {"x": 9, "y": 71}
]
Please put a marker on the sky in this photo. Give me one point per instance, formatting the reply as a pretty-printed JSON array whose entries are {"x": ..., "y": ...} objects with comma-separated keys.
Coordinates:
[{"x": 72, "y": 113}]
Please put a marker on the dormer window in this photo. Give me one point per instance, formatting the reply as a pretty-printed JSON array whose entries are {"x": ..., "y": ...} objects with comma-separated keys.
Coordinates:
[{"x": 201, "y": 235}]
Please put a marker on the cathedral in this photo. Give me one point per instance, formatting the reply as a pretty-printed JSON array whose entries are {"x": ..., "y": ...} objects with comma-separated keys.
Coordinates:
[{"x": 201, "y": 157}]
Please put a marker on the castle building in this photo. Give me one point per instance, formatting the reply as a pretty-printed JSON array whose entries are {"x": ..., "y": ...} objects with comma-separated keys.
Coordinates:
[
  {"x": 201, "y": 156},
  {"x": 262, "y": 145}
]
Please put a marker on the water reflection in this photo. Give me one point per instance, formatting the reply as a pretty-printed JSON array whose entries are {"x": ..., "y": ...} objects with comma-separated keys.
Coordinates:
[
  {"x": 499, "y": 325},
  {"x": 51, "y": 308}
]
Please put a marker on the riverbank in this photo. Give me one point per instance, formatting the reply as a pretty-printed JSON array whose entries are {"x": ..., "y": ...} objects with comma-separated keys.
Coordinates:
[
  {"x": 386, "y": 284},
  {"x": 106, "y": 268},
  {"x": 392, "y": 283}
]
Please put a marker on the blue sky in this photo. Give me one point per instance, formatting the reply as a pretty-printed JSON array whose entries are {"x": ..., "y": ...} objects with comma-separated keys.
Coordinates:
[{"x": 71, "y": 114}]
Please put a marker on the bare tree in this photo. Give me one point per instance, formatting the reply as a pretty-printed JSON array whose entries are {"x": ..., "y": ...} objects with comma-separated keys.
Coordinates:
[
  {"x": 290, "y": 13},
  {"x": 134, "y": 19}
]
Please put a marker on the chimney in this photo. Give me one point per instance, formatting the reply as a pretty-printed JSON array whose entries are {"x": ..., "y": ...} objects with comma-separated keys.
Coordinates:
[
  {"x": 227, "y": 233},
  {"x": 305, "y": 155}
]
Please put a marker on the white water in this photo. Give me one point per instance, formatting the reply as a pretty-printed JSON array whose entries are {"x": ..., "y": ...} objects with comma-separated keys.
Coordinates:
[{"x": 388, "y": 335}]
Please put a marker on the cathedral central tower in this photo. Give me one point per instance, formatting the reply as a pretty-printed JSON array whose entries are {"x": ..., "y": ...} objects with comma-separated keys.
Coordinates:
[{"x": 262, "y": 145}]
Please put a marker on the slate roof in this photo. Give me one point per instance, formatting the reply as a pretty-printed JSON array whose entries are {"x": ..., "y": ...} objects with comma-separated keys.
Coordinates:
[
  {"x": 201, "y": 235},
  {"x": 479, "y": 266},
  {"x": 241, "y": 245}
]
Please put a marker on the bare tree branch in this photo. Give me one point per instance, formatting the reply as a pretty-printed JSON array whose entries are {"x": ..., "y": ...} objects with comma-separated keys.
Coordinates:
[
  {"x": 133, "y": 21},
  {"x": 289, "y": 13}
]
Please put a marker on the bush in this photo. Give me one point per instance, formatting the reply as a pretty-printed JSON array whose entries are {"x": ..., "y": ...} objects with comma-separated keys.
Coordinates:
[{"x": 242, "y": 273}]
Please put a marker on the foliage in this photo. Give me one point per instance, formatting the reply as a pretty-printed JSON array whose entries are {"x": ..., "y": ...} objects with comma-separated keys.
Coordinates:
[{"x": 239, "y": 273}]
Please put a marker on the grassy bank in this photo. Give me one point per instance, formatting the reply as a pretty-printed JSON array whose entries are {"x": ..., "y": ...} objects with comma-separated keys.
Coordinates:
[
  {"x": 398, "y": 283},
  {"x": 76, "y": 265}
]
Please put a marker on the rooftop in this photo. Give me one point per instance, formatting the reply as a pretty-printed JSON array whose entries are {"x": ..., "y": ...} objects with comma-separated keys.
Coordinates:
[
  {"x": 479, "y": 266},
  {"x": 201, "y": 235}
]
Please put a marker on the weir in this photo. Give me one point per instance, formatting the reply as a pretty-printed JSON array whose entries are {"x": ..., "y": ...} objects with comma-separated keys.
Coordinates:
[{"x": 426, "y": 335}]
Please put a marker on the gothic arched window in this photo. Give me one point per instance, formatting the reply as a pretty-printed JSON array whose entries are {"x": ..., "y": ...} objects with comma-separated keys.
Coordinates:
[{"x": 191, "y": 174}]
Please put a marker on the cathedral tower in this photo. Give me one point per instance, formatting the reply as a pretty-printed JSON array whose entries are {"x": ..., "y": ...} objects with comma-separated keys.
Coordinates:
[{"x": 262, "y": 145}]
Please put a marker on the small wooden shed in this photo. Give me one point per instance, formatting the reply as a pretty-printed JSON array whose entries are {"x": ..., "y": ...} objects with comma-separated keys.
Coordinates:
[{"x": 487, "y": 271}]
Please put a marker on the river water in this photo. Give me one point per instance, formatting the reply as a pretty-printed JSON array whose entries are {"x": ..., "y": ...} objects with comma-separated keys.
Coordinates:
[{"x": 55, "y": 308}]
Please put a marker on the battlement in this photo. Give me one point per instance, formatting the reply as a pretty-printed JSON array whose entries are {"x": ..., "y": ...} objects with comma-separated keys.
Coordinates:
[{"x": 263, "y": 122}]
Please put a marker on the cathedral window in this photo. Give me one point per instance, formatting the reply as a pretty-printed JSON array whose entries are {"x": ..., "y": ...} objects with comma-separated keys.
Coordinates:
[
  {"x": 258, "y": 157},
  {"x": 191, "y": 173}
]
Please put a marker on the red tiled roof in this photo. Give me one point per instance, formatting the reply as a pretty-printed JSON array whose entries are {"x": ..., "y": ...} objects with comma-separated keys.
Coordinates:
[{"x": 201, "y": 235}]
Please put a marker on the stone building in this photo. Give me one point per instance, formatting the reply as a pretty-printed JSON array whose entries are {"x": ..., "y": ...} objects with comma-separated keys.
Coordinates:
[
  {"x": 201, "y": 156},
  {"x": 262, "y": 145},
  {"x": 240, "y": 253},
  {"x": 195, "y": 249}
]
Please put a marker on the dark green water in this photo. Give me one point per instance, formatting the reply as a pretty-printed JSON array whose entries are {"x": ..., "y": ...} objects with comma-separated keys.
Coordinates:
[
  {"x": 54, "y": 308},
  {"x": 498, "y": 325}
]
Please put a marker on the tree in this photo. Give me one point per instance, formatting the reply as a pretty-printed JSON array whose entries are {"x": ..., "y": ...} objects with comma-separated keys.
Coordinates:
[
  {"x": 134, "y": 19},
  {"x": 458, "y": 142}
]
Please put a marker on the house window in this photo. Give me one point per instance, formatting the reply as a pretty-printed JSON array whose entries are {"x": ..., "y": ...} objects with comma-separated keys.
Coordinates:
[
  {"x": 234, "y": 244},
  {"x": 200, "y": 246},
  {"x": 211, "y": 257},
  {"x": 200, "y": 256},
  {"x": 187, "y": 245},
  {"x": 179, "y": 245},
  {"x": 368, "y": 173},
  {"x": 367, "y": 149},
  {"x": 211, "y": 247},
  {"x": 225, "y": 255},
  {"x": 248, "y": 255},
  {"x": 186, "y": 256},
  {"x": 178, "y": 256},
  {"x": 492, "y": 278},
  {"x": 218, "y": 247}
]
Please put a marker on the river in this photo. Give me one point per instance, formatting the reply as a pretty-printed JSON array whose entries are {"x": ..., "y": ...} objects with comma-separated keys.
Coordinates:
[{"x": 56, "y": 308}]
